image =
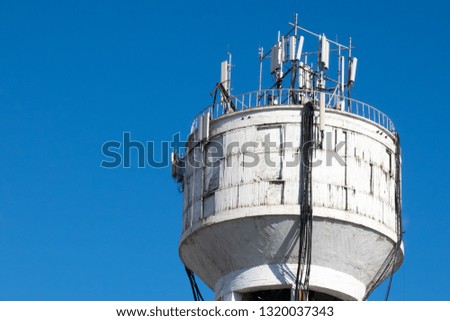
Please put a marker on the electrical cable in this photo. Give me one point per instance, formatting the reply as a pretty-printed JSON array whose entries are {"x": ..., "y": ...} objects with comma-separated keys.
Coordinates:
[
  {"x": 305, "y": 228},
  {"x": 194, "y": 287},
  {"x": 391, "y": 259},
  {"x": 398, "y": 209}
]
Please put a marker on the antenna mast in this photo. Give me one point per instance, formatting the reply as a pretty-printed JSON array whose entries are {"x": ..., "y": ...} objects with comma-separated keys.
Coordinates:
[{"x": 287, "y": 56}]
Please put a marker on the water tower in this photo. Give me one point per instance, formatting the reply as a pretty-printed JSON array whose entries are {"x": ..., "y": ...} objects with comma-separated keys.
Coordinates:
[{"x": 292, "y": 192}]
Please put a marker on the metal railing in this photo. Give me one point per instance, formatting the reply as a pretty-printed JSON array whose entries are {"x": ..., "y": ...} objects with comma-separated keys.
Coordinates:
[{"x": 285, "y": 96}]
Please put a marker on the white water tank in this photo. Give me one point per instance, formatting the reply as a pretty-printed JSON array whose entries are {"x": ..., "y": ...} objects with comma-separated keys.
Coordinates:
[{"x": 241, "y": 204}]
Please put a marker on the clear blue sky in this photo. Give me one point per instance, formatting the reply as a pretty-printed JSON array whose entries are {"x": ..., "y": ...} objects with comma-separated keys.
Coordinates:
[{"x": 75, "y": 74}]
